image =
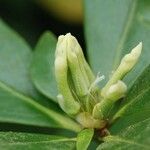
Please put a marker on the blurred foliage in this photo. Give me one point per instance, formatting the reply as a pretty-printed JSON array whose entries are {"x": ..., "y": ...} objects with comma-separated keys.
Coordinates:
[
  {"x": 67, "y": 10},
  {"x": 30, "y": 19}
]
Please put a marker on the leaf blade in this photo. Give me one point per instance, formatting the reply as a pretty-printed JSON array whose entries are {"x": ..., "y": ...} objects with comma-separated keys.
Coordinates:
[
  {"x": 42, "y": 67},
  {"x": 30, "y": 112},
  {"x": 12, "y": 141},
  {"x": 84, "y": 138},
  {"x": 118, "y": 25},
  {"x": 135, "y": 107},
  {"x": 15, "y": 57},
  {"x": 101, "y": 25},
  {"x": 133, "y": 137}
]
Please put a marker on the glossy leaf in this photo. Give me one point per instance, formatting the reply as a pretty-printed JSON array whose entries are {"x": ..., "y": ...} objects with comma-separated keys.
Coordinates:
[
  {"x": 84, "y": 138},
  {"x": 112, "y": 29},
  {"x": 24, "y": 141},
  {"x": 135, "y": 107},
  {"x": 134, "y": 137},
  {"x": 42, "y": 69}
]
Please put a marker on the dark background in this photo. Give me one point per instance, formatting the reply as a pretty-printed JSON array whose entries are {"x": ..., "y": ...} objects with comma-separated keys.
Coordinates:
[{"x": 30, "y": 20}]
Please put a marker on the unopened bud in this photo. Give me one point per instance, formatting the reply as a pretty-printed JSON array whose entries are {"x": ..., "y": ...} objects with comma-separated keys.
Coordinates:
[
  {"x": 80, "y": 79},
  {"x": 76, "y": 48},
  {"x": 129, "y": 60},
  {"x": 67, "y": 101},
  {"x": 116, "y": 91},
  {"x": 127, "y": 63}
]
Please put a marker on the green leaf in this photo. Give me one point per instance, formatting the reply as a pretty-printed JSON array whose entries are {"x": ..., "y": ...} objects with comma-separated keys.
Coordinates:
[
  {"x": 15, "y": 59},
  {"x": 42, "y": 69},
  {"x": 26, "y": 141},
  {"x": 112, "y": 29},
  {"x": 17, "y": 108},
  {"x": 134, "y": 137},
  {"x": 84, "y": 138},
  {"x": 135, "y": 107}
]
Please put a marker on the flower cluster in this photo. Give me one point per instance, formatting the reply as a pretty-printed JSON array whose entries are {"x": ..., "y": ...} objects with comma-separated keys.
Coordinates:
[{"x": 79, "y": 95}]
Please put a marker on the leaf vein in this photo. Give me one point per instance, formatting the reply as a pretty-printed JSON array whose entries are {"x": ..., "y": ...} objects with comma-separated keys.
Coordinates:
[
  {"x": 40, "y": 142},
  {"x": 119, "y": 139},
  {"x": 124, "y": 108},
  {"x": 125, "y": 32}
]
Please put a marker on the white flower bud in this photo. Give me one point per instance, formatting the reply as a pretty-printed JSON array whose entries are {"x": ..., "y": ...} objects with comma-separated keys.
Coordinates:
[
  {"x": 67, "y": 102},
  {"x": 79, "y": 76},
  {"x": 73, "y": 74},
  {"x": 116, "y": 91},
  {"x": 127, "y": 63},
  {"x": 129, "y": 60},
  {"x": 76, "y": 48}
]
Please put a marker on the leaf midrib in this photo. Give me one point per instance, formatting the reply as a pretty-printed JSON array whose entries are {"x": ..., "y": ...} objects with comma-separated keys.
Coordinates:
[
  {"x": 39, "y": 142},
  {"x": 121, "y": 140},
  {"x": 125, "y": 33},
  {"x": 63, "y": 121}
]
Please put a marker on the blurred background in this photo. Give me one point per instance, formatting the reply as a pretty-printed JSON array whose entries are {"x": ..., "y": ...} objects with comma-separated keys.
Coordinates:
[{"x": 31, "y": 18}]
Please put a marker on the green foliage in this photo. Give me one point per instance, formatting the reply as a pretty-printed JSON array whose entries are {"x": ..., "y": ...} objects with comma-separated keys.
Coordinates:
[
  {"x": 84, "y": 138},
  {"x": 28, "y": 89},
  {"x": 134, "y": 137},
  {"x": 16, "y": 87},
  {"x": 42, "y": 68},
  {"x": 117, "y": 29},
  {"x": 135, "y": 107},
  {"x": 23, "y": 141},
  {"x": 112, "y": 29}
]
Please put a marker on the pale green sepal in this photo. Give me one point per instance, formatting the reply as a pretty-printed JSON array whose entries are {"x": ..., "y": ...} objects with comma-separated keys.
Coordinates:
[{"x": 87, "y": 121}]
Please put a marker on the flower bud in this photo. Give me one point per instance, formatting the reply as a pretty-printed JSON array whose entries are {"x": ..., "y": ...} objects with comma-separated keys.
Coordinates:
[
  {"x": 114, "y": 93},
  {"x": 81, "y": 73},
  {"x": 127, "y": 63},
  {"x": 74, "y": 76},
  {"x": 65, "y": 99},
  {"x": 76, "y": 48},
  {"x": 79, "y": 76}
]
